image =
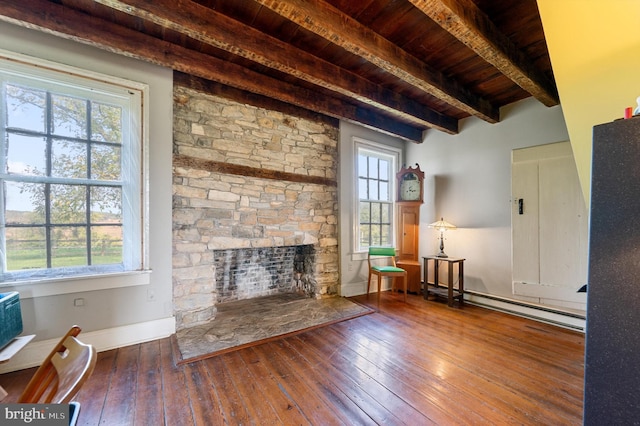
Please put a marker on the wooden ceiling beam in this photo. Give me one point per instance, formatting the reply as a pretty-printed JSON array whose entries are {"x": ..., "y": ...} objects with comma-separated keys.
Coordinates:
[
  {"x": 215, "y": 29},
  {"x": 466, "y": 22},
  {"x": 330, "y": 23},
  {"x": 70, "y": 24},
  {"x": 347, "y": 112}
]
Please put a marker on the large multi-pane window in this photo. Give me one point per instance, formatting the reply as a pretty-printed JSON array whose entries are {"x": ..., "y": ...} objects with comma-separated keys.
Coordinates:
[
  {"x": 70, "y": 174},
  {"x": 375, "y": 171}
]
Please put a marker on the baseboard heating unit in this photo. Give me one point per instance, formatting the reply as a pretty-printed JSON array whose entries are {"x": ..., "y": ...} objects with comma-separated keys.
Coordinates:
[{"x": 551, "y": 315}]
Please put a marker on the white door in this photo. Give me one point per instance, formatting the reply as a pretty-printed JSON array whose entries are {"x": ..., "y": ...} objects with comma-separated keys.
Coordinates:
[{"x": 550, "y": 226}]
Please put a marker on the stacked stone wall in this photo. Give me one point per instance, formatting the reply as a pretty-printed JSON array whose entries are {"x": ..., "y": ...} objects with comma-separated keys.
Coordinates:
[{"x": 217, "y": 211}]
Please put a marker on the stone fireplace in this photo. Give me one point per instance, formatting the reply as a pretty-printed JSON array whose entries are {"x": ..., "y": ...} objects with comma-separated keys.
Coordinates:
[
  {"x": 255, "y": 204},
  {"x": 248, "y": 273}
]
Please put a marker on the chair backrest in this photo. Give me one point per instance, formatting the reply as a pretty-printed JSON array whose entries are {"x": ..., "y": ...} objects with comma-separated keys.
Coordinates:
[
  {"x": 62, "y": 373},
  {"x": 379, "y": 252}
]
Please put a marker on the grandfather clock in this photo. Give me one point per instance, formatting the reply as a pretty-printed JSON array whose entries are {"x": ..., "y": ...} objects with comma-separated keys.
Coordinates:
[{"x": 410, "y": 193}]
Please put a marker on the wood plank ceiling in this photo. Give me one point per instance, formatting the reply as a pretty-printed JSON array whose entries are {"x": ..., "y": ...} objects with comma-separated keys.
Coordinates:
[{"x": 401, "y": 66}]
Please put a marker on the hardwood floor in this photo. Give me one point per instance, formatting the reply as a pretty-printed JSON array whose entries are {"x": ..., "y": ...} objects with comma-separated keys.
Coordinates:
[{"x": 419, "y": 363}]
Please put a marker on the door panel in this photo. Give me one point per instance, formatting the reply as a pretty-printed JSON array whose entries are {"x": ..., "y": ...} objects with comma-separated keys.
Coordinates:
[
  {"x": 563, "y": 225},
  {"x": 526, "y": 241},
  {"x": 409, "y": 217}
]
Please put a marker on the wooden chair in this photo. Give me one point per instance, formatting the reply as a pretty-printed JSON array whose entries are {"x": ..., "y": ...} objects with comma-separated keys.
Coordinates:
[
  {"x": 62, "y": 373},
  {"x": 389, "y": 269}
]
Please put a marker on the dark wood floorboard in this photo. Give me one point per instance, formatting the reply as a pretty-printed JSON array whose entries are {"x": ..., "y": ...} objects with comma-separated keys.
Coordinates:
[
  {"x": 419, "y": 363},
  {"x": 177, "y": 405}
]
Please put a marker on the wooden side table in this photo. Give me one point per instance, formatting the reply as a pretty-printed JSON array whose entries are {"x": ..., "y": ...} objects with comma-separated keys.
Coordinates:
[{"x": 449, "y": 291}]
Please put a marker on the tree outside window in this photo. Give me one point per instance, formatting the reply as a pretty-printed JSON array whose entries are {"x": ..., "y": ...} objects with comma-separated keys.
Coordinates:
[{"x": 66, "y": 181}]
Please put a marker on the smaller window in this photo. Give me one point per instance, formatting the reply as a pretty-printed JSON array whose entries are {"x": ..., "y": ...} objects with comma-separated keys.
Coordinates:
[{"x": 375, "y": 186}]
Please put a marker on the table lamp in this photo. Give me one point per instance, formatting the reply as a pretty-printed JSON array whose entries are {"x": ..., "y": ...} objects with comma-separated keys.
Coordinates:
[{"x": 441, "y": 226}]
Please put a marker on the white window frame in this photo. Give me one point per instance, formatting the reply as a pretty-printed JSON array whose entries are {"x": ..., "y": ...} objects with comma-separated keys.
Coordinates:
[
  {"x": 385, "y": 150},
  {"x": 135, "y": 219}
]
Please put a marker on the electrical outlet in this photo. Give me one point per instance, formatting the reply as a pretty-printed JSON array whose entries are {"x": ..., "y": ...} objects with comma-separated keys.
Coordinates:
[{"x": 78, "y": 302}]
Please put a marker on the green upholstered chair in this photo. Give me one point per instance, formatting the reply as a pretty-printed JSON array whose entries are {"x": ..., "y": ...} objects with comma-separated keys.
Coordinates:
[{"x": 387, "y": 256}]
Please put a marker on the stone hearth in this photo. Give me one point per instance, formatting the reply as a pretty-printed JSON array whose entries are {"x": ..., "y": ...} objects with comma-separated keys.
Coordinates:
[{"x": 247, "y": 322}]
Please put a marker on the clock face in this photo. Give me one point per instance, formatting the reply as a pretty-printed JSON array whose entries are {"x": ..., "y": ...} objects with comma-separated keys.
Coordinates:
[
  {"x": 410, "y": 190},
  {"x": 409, "y": 181}
]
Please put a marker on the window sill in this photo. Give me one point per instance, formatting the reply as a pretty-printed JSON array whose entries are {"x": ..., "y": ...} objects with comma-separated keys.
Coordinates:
[{"x": 66, "y": 285}]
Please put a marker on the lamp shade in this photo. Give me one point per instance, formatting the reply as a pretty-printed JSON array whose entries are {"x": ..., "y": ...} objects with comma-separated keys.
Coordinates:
[{"x": 441, "y": 225}]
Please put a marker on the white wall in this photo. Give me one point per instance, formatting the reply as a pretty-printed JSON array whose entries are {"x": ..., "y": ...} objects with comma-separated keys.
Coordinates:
[
  {"x": 51, "y": 316},
  {"x": 468, "y": 182},
  {"x": 353, "y": 266}
]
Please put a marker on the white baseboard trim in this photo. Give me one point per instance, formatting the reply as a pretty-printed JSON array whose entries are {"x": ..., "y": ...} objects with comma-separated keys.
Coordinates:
[
  {"x": 352, "y": 289},
  {"x": 35, "y": 352},
  {"x": 537, "y": 312},
  {"x": 358, "y": 288}
]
